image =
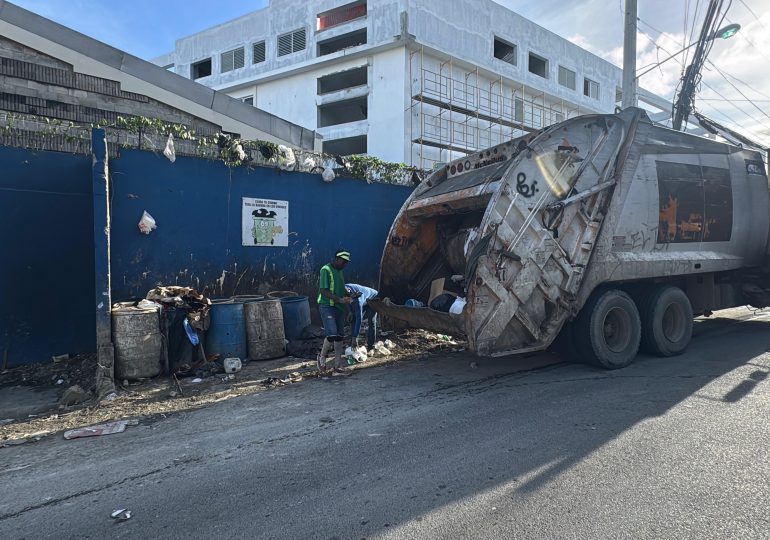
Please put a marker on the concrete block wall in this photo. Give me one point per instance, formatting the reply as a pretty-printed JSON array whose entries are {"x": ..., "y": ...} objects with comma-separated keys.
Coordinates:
[{"x": 35, "y": 84}]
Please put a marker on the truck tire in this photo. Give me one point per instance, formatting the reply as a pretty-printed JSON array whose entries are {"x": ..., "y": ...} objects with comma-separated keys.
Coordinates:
[
  {"x": 608, "y": 329},
  {"x": 666, "y": 315}
]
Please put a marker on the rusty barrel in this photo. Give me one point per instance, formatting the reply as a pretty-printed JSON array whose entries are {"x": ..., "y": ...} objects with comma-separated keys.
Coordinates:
[
  {"x": 264, "y": 329},
  {"x": 137, "y": 340}
]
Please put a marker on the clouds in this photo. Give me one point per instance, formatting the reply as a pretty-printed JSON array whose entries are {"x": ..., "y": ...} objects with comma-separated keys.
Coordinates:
[{"x": 664, "y": 28}]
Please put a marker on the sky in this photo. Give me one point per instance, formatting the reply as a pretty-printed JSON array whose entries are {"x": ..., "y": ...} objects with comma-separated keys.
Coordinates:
[{"x": 739, "y": 97}]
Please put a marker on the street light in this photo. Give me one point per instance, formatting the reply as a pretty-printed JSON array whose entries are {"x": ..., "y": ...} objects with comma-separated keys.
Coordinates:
[{"x": 724, "y": 33}]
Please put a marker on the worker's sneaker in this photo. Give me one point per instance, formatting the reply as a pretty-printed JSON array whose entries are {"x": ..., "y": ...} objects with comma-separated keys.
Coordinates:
[{"x": 342, "y": 371}]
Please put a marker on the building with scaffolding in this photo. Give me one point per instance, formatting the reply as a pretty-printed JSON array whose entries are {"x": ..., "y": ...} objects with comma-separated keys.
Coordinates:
[{"x": 414, "y": 81}]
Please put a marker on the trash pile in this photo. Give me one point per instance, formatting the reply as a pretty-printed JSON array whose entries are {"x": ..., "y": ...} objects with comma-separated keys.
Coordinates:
[
  {"x": 445, "y": 296},
  {"x": 360, "y": 354}
]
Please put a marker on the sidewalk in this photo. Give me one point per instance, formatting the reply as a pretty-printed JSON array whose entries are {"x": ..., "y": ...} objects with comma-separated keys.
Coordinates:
[{"x": 29, "y": 395}]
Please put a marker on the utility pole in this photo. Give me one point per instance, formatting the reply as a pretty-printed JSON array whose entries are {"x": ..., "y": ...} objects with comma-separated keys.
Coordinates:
[
  {"x": 684, "y": 100},
  {"x": 629, "y": 56}
]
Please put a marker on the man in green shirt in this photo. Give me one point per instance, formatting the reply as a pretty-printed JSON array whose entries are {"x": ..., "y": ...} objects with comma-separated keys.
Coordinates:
[{"x": 333, "y": 299}]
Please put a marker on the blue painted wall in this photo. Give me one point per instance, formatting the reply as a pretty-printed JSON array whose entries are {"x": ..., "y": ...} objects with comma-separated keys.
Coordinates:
[
  {"x": 47, "y": 281},
  {"x": 47, "y": 268},
  {"x": 197, "y": 205}
]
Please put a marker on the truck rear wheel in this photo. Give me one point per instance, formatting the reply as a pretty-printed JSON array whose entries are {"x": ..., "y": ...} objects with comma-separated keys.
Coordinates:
[
  {"x": 608, "y": 329},
  {"x": 666, "y": 315}
]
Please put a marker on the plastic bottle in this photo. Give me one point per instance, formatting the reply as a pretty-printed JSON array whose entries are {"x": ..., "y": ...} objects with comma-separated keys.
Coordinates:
[{"x": 414, "y": 303}]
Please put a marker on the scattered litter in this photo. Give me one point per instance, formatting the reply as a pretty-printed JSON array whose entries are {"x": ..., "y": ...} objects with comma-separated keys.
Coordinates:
[
  {"x": 196, "y": 380},
  {"x": 169, "y": 151},
  {"x": 121, "y": 515},
  {"x": 6, "y": 421},
  {"x": 326, "y": 420},
  {"x": 60, "y": 381},
  {"x": 112, "y": 396},
  {"x": 374, "y": 435},
  {"x": 457, "y": 306},
  {"x": 60, "y": 358},
  {"x": 389, "y": 344},
  {"x": 328, "y": 174},
  {"x": 147, "y": 304},
  {"x": 232, "y": 365},
  {"x": 119, "y": 426},
  {"x": 74, "y": 395},
  {"x": 381, "y": 349},
  {"x": 414, "y": 303},
  {"x": 173, "y": 394},
  {"x": 147, "y": 223}
]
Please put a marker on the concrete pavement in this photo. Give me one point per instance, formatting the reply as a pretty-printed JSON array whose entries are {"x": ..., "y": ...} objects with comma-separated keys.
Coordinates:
[{"x": 532, "y": 448}]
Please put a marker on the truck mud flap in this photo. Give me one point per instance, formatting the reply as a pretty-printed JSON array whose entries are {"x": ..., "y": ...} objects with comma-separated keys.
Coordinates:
[{"x": 425, "y": 318}]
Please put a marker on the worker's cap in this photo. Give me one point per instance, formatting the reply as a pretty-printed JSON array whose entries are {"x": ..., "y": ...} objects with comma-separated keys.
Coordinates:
[{"x": 344, "y": 255}]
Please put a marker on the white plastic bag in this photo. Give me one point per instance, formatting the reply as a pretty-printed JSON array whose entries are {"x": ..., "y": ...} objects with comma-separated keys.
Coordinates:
[
  {"x": 286, "y": 161},
  {"x": 328, "y": 174},
  {"x": 169, "y": 151},
  {"x": 457, "y": 306},
  {"x": 147, "y": 223}
]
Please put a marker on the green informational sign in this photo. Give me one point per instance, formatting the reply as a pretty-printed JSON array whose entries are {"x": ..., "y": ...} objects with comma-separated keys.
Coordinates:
[{"x": 265, "y": 222}]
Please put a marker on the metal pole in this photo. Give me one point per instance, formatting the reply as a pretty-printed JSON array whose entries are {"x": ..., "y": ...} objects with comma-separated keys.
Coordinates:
[{"x": 629, "y": 56}]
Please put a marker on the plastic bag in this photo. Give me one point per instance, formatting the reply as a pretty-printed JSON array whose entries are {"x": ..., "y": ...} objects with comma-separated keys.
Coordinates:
[
  {"x": 169, "y": 151},
  {"x": 457, "y": 306},
  {"x": 286, "y": 161},
  {"x": 147, "y": 223},
  {"x": 328, "y": 174}
]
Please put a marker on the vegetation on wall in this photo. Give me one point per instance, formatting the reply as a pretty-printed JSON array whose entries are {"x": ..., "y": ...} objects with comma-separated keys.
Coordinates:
[{"x": 152, "y": 133}]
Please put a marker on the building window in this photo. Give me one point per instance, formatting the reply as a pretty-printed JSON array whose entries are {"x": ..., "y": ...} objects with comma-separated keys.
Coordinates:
[
  {"x": 291, "y": 42},
  {"x": 353, "y": 39},
  {"x": 343, "y": 79},
  {"x": 346, "y": 147},
  {"x": 201, "y": 69},
  {"x": 505, "y": 51},
  {"x": 340, "y": 15},
  {"x": 343, "y": 112},
  {"x": 567, "y": 78},
  {"x": 538, "y": 65},
  {"x": 618, "y": 94},
  {"x": 231, "y": 60},
  {"x": 258, "y": 53},
  {"x": 248, "y": 100},
  {"x": 590, "y": 88}
]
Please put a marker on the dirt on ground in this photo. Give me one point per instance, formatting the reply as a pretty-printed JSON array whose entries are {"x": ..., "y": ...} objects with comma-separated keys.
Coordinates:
[{"x": 165, "y": 395}]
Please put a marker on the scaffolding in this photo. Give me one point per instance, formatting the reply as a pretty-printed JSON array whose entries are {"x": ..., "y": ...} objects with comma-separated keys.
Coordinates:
[{"x": 455, "y": 111}]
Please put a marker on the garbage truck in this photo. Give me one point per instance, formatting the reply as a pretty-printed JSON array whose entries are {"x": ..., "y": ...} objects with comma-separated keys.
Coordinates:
[{"x": 606, "y": 231}]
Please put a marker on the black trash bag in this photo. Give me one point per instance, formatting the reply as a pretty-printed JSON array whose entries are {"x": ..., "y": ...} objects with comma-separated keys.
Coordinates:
[{"x": 443, "y": 302}]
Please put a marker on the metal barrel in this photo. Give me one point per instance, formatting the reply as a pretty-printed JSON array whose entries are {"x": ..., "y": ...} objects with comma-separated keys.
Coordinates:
[
  {"x": 264, "y": 329},
  {"x": 226, "y": 335},
  {"x": 137, "y": 340},
  {"x": 296, "y": 316}
]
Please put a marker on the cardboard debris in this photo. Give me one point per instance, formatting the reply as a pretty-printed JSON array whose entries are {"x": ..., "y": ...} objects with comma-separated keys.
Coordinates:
[{"x": 119, "y": 426}]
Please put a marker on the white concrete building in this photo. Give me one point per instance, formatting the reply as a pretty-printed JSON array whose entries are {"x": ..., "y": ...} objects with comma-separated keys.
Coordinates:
[{"x": 415, "y": 81}]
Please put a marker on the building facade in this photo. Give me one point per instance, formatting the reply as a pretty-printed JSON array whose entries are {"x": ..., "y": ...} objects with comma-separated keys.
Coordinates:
[
  {"x": 414, "y": 81},
  {"x": 50, "y": 73}
]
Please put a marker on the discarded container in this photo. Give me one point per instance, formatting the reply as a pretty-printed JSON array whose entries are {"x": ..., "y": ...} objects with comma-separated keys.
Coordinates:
[
  {"x": 296, "y": 316},
  {"x": 137, "y": 340},
  {"x": 414, "y": 303},
  {"x": 264, "y": 329},
  {"x": 232, "y": 365},
  {"x": 226, "y": 335}
]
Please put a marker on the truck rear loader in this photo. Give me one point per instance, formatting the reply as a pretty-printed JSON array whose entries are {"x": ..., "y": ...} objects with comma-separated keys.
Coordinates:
[{"x": 607, "y": 231}]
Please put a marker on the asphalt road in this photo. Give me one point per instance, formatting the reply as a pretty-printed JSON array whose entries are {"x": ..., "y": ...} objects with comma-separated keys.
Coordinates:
[{"x": 515, "y": 448}]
